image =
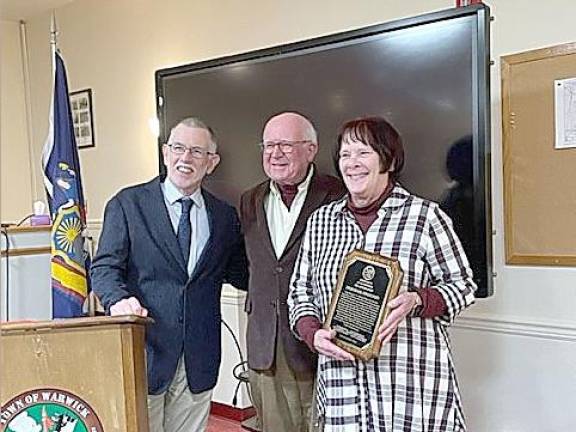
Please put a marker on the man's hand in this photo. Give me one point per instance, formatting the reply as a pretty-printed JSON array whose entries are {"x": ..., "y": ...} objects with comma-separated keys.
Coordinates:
[
  {"x": 401, "y": 307},
  {"x": 324, "y": 345},
  {"x": 129, "y": 306}
]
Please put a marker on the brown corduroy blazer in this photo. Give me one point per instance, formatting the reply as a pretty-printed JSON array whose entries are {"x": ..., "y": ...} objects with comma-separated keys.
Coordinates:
[{"x": 270, "y": 277}]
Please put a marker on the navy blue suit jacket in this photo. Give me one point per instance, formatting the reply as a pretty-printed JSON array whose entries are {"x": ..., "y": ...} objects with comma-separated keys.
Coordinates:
[{"x": 138, "y": 255}]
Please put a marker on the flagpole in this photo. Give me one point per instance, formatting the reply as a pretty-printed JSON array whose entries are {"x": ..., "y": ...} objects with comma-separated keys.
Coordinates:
[
  {"x": 53, "y": 40},
  {"x": 46, "y": 151},
  {"x": 53, "y": 31}
]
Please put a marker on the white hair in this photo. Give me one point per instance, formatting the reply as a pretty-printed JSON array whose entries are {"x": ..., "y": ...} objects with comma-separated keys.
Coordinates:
[
  {"x": 304, "y": 124},
  {"x": 194, "y": 122},
  {"x": 310, "y": 131}
]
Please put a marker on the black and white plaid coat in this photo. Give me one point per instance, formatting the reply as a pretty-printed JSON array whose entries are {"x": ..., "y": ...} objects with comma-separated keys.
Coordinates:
[{"x": 412, "y": 386}]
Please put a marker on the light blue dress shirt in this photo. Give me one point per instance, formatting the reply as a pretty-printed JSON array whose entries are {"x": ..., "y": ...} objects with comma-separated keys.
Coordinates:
[{"x": 198, "y": 219}]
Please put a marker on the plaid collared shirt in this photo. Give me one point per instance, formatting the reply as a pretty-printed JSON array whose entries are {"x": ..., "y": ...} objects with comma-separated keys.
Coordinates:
[{"x": 412, "y": 385}]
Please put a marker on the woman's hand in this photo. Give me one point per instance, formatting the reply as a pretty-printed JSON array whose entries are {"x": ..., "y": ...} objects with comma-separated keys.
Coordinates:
[
  {"x": 401, "y": 306},
  {"x": 324, "y": 345}
]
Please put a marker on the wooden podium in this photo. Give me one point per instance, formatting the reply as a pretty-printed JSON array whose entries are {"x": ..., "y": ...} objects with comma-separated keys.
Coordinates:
[{"x": 85, "y": 374}]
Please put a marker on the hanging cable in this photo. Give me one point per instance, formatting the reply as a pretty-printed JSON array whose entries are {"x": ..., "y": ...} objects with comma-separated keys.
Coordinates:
[
  {"x": 24, "y": 219},
  {"x": 240, "y": 371}
]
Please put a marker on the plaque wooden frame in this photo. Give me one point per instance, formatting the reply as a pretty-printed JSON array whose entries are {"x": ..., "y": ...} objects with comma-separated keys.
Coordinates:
[{"x": 371, "y": 349}]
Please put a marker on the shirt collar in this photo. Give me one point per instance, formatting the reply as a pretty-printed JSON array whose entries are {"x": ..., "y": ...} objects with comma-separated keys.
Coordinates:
[
  {"x": 301, "y": 187},
  {"x": 172, "y": 194},
  {"x": 397, "y": 198}
]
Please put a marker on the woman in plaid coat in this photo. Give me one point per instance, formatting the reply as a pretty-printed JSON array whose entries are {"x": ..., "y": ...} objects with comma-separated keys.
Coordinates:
[{"x": 412, "y": 385}]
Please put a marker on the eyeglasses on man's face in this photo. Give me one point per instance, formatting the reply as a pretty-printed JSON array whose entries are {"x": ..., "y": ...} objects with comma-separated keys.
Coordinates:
[
  {"x": 195, "y": 152},
  {"x": 285, "y": 147}
]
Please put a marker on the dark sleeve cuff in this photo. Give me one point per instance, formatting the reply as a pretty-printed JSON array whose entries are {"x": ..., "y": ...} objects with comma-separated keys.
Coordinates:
[
  {"x": 306, "y": 327},
  {"x": 433, "y": 304}
]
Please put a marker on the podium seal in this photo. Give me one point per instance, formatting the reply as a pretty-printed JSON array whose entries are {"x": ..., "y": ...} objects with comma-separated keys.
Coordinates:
[{"x": 48, "y": 410}]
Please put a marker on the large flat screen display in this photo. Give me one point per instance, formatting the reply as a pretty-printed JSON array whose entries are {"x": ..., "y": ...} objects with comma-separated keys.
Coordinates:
[{"x": 428, "y": 75}]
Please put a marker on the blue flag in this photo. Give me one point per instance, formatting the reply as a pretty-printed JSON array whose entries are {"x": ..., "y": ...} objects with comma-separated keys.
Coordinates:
[{"x": 63, "y": 183}]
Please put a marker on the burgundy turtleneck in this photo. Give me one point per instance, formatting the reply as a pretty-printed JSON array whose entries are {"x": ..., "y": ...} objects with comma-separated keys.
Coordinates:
[
  {"x": 365, "y": 216},
  {"x": 287, "y": 193}
]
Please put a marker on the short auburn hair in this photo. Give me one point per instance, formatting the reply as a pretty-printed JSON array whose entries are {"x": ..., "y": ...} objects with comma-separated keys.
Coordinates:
[{"x": 379, "y": 134}]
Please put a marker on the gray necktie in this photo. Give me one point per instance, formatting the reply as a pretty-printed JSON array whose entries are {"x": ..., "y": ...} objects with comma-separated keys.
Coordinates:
[{"x": 185, "y": 228}]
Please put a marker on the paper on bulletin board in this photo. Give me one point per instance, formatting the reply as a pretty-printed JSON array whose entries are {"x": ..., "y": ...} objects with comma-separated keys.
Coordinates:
[{"x": 565, "y": 113}]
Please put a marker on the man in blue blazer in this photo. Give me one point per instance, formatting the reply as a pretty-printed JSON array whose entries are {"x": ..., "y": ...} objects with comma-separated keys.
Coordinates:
[{"x": 165, "y": 250}]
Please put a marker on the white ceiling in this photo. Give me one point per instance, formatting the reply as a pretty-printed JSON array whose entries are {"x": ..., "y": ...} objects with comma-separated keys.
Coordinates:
[{"x": 16, "y": 10}]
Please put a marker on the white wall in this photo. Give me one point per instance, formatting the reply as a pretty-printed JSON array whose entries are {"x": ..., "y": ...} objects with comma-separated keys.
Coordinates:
[
  {"x": 516, "y": 377},
  {"x": 15, "y": 182},
  {"x": 515, "y": 350}
]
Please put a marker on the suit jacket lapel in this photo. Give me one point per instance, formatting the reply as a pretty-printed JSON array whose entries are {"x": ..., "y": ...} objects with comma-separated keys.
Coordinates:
[
  {"x": 160, "y": 220},
  {"x": 314, "y": 198},
  {"x": 262, "y": 220}
]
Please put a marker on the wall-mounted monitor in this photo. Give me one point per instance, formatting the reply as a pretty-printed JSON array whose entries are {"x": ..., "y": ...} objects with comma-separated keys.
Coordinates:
[{"x": 428, "y": 75}]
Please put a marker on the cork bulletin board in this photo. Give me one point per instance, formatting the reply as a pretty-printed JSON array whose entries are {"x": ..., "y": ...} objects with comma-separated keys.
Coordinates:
[{"x": 539, "y": 177}]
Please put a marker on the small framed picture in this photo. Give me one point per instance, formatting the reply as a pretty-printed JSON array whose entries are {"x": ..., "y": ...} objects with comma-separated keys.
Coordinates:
[{"x": 81, "y": 106}]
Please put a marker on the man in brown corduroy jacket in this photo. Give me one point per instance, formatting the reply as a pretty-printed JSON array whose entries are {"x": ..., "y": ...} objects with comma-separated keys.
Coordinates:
[{"x": 273, "y": 216}]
